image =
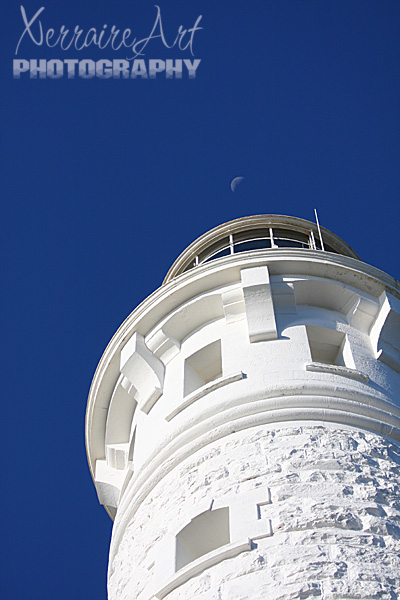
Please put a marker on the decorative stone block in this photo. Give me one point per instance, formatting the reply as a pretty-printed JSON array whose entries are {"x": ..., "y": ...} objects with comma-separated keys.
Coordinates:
[
  {"x": 259, "y": 305},
  {"x": 385, "y": 331},
  {"x": 144, "y": 371}
]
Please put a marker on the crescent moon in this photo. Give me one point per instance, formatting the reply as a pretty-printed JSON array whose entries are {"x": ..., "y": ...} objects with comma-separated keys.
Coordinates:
[{"x": 235, "y": 182}]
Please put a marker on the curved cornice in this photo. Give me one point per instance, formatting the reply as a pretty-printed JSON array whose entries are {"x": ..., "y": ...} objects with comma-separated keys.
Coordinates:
[{"x": 212, "y": 275}]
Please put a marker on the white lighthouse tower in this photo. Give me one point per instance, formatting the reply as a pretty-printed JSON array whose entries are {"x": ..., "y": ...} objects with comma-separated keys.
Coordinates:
[{"x": 243, "y": 425}]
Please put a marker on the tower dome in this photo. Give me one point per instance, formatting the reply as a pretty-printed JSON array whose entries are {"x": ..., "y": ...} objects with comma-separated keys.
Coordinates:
[
  {"x": 243, "y": 424},
  {"x": 258, "y": 232}
]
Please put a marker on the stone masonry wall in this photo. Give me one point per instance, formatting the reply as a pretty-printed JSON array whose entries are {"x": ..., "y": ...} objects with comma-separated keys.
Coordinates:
[{"x": 334, "y": 511}]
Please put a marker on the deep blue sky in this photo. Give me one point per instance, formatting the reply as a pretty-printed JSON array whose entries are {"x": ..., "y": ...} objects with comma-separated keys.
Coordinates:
[{"x": 105, "y": 182}]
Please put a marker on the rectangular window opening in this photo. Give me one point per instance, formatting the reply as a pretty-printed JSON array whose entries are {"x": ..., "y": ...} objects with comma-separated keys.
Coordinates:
[
  {"x": 205, "y": 533},
  {"x": 203, "y": 366}
]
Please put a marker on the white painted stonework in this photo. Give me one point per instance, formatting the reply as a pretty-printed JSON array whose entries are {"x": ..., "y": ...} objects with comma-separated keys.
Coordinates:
[{"x": 243, "y": 425}]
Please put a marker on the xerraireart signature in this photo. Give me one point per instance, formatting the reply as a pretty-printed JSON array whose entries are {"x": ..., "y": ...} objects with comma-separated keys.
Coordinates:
[{"x": 105, "y": 38}]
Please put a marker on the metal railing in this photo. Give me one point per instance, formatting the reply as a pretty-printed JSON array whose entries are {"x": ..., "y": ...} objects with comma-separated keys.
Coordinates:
[{"x": 230, "y": 245}]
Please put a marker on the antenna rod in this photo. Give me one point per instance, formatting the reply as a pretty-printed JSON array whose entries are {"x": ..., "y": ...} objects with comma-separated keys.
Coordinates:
[{"x": 319, "y": 229}]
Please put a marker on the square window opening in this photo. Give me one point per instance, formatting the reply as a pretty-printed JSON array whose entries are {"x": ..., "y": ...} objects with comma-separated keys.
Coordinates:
[{"x": 329, "y": 346}]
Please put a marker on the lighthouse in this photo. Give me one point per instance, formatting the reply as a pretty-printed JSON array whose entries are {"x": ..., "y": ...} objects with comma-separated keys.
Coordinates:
[{"x": 243, "y": 424}]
